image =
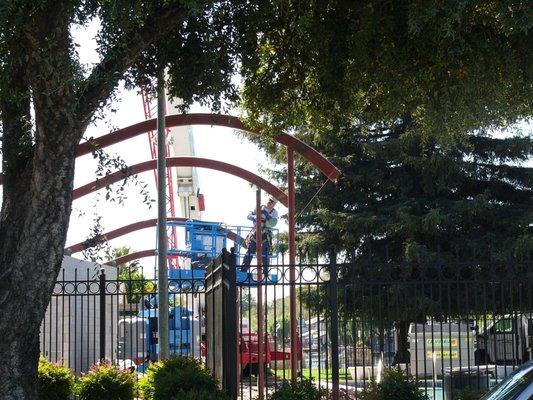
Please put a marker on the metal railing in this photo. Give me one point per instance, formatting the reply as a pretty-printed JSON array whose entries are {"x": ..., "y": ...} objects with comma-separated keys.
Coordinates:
[
  {"x": 112, "y": 316},
  {"x": 448, "y": 325}
]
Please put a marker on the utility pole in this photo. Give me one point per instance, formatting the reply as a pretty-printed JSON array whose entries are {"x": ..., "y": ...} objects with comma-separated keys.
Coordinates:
[
  {"x": 260, "y": 316},
  {"x": 162, "y": 269},
  {"x": 292, "y": 265}
]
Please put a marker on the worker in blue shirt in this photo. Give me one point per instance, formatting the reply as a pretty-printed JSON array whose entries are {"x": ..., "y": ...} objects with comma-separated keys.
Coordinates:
[{"x": 269, "y": 219}]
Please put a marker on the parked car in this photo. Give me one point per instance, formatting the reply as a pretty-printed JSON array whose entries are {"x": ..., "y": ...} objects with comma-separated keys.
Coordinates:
[{"x": 517, "y": 386}]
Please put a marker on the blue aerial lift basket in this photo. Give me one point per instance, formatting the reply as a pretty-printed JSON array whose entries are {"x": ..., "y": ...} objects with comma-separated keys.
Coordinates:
[{"x": 204, "y": 241}]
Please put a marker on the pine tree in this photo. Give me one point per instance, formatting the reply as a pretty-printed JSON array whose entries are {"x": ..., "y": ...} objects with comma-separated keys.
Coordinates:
[
  {"x": 407, "y": 198},
  {"x": 405, "y": 195}
]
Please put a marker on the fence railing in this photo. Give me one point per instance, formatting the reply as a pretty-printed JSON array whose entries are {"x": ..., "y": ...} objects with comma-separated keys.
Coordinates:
[
  {"x": 112, "y": 315},
  {"x": 449, "y": 326},
  {"x": 461, "y": 324}
]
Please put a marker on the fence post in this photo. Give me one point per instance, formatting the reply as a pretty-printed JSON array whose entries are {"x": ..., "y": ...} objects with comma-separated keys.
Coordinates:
[
  {"x": 229, "y": 299},
  {"x": 102, "y": 313},
  {"x": 334, "y": 301},
  {"x": 221, "y": 321}
]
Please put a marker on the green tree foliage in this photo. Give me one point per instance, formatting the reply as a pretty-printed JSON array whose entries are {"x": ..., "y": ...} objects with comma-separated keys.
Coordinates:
[
  {"x": 131, "y": 275},
  {"x": 453, "y": 66},
  {"x": 407, "y": 196}
]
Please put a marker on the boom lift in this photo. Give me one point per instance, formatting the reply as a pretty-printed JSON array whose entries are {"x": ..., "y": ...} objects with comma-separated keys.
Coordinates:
[{"x": 138, "y": 338}]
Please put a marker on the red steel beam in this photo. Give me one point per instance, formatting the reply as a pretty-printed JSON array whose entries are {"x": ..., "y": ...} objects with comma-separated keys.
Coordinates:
[
  {"x": 184, "y": 162},
  {"x": 136, "y": 226},
  {"x": 313, "y": 156},
  {"x": 292, "y": 265},
  {"x": 132, "y": 256}
]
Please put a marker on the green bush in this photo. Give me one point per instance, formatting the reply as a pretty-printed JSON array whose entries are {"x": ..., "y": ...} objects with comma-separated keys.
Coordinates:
[
  {"x": 55, "y": 382},
  {"x": 301, "y": 390},
  {"x": 106, "y": 382},
  {"x": 394, "y": 386},
  {"x": 179, "y": 378}
]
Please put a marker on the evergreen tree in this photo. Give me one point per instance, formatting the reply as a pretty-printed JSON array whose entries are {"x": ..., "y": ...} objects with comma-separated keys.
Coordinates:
[
  {"x": 405, "y": 195},
  {"x": 408, "y": 198}
]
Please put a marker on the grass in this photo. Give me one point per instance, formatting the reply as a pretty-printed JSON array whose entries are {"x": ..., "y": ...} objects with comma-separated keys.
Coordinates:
[{"x": 313, "y": 374}]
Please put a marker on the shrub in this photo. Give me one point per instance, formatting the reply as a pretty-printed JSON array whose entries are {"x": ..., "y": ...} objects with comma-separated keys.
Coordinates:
[
  {"x": 301, "y": 390},
  {"x": 55, "y": 382},
  {"x": 394, "y": 386},
  {"x": 179, "y": 378},
  {"x": 106, "y": 382}
]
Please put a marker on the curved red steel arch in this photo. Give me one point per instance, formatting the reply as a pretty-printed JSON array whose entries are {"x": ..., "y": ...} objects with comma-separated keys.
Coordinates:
[
  {"x": 76, "y": 248},
  {"x": 313, "y": 156},
  {"x": 184, "y": 162},
  {"x": 132, "y": 256},
  {"x": 228, "y": 121}
]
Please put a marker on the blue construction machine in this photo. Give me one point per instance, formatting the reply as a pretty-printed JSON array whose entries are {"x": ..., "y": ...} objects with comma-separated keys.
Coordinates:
[{"x": 138, "y": 336}]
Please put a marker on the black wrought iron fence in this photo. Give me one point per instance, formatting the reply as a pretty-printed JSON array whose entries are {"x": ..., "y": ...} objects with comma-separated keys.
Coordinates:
[
  {"x": 450, "y": 326},
  {"x": 106, "y": 314}
]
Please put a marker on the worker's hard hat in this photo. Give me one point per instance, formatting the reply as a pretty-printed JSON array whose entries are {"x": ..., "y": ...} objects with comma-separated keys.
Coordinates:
[{"x": 272, "y": 199}]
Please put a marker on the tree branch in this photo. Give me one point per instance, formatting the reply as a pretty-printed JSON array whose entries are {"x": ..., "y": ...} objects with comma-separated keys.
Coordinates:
[{"x": 106, "y": 75}]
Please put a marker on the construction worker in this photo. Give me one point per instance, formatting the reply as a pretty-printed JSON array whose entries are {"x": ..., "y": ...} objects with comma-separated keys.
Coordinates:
[{"x": 269, "y": 219}]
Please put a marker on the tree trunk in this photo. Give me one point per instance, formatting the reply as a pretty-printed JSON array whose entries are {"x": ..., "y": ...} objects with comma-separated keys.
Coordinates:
[
  {"x": 18, "y": 366},
  {"x": 33, "y": 227},
  {"x": 402, "y": 355}
]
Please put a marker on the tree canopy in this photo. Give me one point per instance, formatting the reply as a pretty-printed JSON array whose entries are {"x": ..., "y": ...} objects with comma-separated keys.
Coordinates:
[
  {"x": 403, "y": 98},
  {"x": 451, "y": 66}
]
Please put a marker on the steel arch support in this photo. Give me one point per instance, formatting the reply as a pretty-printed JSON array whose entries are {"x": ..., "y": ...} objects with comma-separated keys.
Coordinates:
[
  {"x": 136, "y": 226},
  {"x": 228, "y": 121},
  {"x": 184, "y": 162}
]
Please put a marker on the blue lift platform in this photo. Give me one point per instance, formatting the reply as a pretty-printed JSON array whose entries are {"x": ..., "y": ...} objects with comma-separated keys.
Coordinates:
[{"x": 204, "y": 241}]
